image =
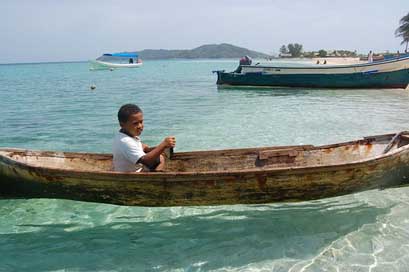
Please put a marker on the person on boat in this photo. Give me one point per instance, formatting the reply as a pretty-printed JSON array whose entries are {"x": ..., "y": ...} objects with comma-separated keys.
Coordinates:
[
  {"x": 318, "y": 62},
  {"x": 370, "y": 56},
  {"x": 131, "y": 61},
  {"x": 325, "y": 61},
  {"x": 246, "y": 60},
  {"x": 129, "y": 153}
]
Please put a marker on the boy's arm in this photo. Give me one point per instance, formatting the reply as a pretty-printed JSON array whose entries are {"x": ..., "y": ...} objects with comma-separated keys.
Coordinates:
[
  {"x": 146, "y": 148},
  {"x": 154, "y": 153}
]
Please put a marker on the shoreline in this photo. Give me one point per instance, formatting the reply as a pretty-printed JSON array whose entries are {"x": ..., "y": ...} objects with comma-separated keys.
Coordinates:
[{"x": 337, "y": 60}]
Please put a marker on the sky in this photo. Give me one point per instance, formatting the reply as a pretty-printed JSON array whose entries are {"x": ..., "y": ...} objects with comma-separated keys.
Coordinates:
[{"x": 75, "y": 30}]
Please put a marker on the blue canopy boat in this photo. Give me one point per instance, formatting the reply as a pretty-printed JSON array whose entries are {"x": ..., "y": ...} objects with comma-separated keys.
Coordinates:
[
  {"x": 392, "y": 73},
  {"x": 116, "y": 60}
]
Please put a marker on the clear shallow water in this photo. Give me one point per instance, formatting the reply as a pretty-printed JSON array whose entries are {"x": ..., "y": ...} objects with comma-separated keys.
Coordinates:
[{"x": 51, "y": 107}]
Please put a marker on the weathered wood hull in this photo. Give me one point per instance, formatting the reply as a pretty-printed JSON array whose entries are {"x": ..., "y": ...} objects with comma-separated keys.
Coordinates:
[
  {"x": 388, "y": 74},
  {"x": 249, "y": 186}
]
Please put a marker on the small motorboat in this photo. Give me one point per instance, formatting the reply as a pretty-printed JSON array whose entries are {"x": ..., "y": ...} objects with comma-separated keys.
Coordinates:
[{"x": 116, "y": 60}]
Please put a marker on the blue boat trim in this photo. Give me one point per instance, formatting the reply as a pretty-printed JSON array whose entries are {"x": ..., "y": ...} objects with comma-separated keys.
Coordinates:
[
  {"x": 255, "y": 73},
  {"x": 371, "y": 72},
  {"x": 122, "y": 55}
]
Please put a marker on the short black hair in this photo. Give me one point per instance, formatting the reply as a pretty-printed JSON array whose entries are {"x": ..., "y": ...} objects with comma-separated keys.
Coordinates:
[{"x": 127, "y": 110}]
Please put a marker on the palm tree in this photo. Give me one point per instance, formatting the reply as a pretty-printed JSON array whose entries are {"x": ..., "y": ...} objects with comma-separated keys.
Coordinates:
[{"x": 403, "y": 30}]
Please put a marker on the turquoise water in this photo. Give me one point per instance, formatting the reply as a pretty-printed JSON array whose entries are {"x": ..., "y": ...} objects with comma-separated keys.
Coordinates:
[{"x": 51, "y": 107}]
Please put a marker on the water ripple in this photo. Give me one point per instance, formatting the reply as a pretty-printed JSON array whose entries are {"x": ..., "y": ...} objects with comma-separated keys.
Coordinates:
[{"x": 51, "y": 107}]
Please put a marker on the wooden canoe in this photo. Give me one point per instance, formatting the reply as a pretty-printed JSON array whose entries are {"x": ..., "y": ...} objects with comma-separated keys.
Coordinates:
[{"x": 235, "y": 176}]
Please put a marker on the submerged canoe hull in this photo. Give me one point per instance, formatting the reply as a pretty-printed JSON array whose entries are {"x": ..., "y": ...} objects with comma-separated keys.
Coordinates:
[{"x": 210, "y": 188}]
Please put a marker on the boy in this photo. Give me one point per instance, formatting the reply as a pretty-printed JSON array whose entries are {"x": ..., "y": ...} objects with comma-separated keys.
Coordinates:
[{"x": 129, "y": 151}]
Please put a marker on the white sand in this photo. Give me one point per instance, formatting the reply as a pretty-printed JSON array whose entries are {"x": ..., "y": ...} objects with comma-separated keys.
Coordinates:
[{"x": 336, "y": 61}]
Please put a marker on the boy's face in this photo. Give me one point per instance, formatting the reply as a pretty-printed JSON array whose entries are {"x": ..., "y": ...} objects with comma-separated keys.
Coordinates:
[{"x": 134, "y": 125}]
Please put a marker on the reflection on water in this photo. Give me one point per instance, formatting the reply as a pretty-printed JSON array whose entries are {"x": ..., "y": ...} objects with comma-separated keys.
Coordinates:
[
  {"x": 295, "y": 91},
  {"x": 263, "y": 91},
  {"x": 94, "y": 237}
]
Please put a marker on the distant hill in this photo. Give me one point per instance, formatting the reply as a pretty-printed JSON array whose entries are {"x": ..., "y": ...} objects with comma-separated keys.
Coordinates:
[{"x": 208, "y": 51}]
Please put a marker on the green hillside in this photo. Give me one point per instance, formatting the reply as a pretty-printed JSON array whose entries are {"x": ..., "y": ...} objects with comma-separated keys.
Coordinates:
[{"x": 212, "y": 51}]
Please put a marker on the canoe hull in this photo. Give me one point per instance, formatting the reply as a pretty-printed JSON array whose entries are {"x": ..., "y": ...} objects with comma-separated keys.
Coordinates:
[{"x": 193, "y": 189}]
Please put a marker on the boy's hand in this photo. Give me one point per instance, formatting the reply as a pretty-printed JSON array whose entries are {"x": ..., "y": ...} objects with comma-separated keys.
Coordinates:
[
  {"x": 146, "y": 148},
  {"x": 169, "y": 141}
]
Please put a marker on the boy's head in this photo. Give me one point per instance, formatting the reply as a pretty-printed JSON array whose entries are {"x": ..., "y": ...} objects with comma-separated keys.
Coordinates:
[{"x": 130, "y": 118}]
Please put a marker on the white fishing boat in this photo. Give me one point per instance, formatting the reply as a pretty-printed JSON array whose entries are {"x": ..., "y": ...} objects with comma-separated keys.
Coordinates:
[
  {"x": 116, "y": 60},
  {"x": 386, "y": 74}
]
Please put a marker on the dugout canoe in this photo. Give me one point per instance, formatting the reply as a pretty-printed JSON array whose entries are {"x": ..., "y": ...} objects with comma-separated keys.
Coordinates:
[
  {"x": 388, "y": 74},
  {"x": 234, "y": 176}
]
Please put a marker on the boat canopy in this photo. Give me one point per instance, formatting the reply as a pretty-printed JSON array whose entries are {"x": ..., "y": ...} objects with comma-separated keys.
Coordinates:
[
  {"x": 123, "y": 55},
  {"x": 119, "y": 57}
]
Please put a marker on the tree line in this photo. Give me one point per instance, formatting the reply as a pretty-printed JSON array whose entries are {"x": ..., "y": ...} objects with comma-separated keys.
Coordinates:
[
  {"x": 403, "y": 30},
  {"x": 296, "y": 50}
]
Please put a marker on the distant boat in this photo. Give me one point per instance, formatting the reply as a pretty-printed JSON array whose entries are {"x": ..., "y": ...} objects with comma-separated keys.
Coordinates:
[
  {"x": 116, "y": 60},
  {"x": 386, "y": 57},
  {"x": 396, "y": 56},
  {"x": 374, "y": 58},
  {"x": 218, "y": 177},
  {"x": 392, "y": 73}
]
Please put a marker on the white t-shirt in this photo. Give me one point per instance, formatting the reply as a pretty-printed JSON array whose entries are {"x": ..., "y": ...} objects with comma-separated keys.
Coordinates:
[
  {"x": 126, "y": 151},
  {"x": 370, "y": 57}
]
